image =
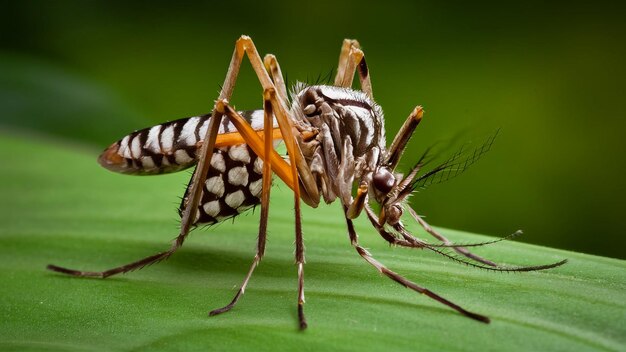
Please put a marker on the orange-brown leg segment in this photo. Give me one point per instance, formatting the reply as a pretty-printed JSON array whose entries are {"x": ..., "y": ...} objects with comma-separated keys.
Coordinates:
[
  {"x": 265, "y": 202},
  {"x": 352, "y": 59},
  {"x": 246, "y": 46},
  {"x": 287, "y": 172},
  {"x": 251, "y": 139},
  {"x": 307, "y": 179},
  {"x": 206, "y": 152},
  {"x": 347, "y": 46}
]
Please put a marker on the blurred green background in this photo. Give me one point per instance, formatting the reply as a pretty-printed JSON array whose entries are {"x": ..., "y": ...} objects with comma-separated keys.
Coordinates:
[{"x": 551, "y": 75}]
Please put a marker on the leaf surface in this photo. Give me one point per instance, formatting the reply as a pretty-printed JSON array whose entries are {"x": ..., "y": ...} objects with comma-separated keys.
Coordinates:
[{"x": 60, "y": 207}]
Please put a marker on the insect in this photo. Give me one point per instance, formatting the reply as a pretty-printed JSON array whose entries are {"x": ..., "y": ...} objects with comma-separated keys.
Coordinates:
[{"x": 336, "y": 151}]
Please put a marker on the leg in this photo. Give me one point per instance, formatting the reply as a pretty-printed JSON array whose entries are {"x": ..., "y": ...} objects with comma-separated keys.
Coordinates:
[
  {"x": 403, "y": 136},
  {"x": 202, "y": 169},
  {"x": 350, "y": 59},
  {"x": 306, "y": 176},
  {"x": 461, "y": 250},
  {"x": 242, "y": 126},
  {"x": 127, "y": 267},
  {"x": 346, "y": 47},
  {"x": 294, "y": 159},
  {"x": 357, "y": 205},
  {"x": 403, "y": 281},
  {"x": 265, "y": 202},
  {"x": 272, "y": 66},
  {"x": 243, "y": 46}
]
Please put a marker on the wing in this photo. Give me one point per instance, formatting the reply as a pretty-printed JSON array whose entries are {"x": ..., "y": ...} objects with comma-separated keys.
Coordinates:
[{"x": 172, "y": 146}]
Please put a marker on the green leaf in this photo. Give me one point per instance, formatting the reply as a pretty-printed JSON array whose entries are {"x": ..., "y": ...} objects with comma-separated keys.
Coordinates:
[{"x": 60, "y": 207}]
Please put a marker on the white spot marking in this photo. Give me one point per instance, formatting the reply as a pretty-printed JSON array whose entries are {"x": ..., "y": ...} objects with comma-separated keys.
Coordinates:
[
  {"x": 167, "y": 139},
  {"x": 147, "y": 162},
  {"x": 238, "y": 176},
  {"x": 258, "y": 166},
  {"x": 188, "y": 133},
  {"x": 212, "y": 208},
  {"x": 235, "y": 199},
  {"x": 203, "y": 128},
  {"x": 135, "y": 148},
  {"x": 215, "y": 185},
  {"x": 152, "y": 143},
  {"x": 257, "y": 120},
  {"x": 124, "y": 150},
  {"x": 182, "y": 157},
  {"x": 256, "y": 187},
  {"x": 217, "y": 162},
  {"x": 239, "y": 153}
]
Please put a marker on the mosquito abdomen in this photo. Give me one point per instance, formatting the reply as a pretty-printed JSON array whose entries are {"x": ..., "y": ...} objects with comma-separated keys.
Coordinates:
[
  {"x": 167, "y": 147},
  {"x": 232, "y": 186}
]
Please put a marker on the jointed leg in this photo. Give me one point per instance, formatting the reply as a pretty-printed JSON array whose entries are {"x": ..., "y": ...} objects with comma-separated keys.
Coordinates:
[
  {"x": 403, "y": 136},
  {"x": 350, "y": 59},
  {"x": 461, "y": 250},
  {"x": 306, "y": 176},
  {"x": 295, "y": 158},
  {"x": 265, "y": 202},
  {"x": 243, "y": 127},
  {"x": 189, "y": 213},
  {"x": 272, "y": 66},
  {"x": 403, "y": 281},
  {"x": 127, "y": 267},
  {"x": 243, "y": 46}
]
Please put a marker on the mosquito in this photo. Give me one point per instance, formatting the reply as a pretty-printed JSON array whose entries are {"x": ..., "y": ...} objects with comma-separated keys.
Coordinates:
[{"x": 336, "y": 151}]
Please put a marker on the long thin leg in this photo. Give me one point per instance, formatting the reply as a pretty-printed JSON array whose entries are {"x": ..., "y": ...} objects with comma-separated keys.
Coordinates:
[
  {"x": 282, "y": 119},
  {"x": 306, "y": 176},
  {"x": 272, "y": 66},
  {"x": 346, "y": 47},
  {"x": 290, "y": 141},
  {"x": 189, "y": 213},
  {"x": 461, "y": 250},
  {"x": 265, "y": 203},
  {"x": 244, "y": 45},
  {"x": 351, "y": 59},
  {"x": 403, "y": 281},
  {"x": 403, "y": 136},
  {"x": 410, "y": 241}
]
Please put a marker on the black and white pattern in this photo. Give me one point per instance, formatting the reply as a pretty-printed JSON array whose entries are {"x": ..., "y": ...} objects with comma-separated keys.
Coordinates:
[
  {"x": 169, "y": 147},
  {"x": 233, "y": 185}
]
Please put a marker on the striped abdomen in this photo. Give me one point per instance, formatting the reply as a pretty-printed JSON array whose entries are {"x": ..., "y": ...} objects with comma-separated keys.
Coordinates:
[
  {"x": 169, "y": 147},
  {"x": 234, "y": 180}
]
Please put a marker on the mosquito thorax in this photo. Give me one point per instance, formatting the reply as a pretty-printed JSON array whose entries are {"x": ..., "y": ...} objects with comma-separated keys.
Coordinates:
[{"x": 346, "y": 112}]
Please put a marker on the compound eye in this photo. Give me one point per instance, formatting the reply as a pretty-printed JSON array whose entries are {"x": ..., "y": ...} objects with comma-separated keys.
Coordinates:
[{"x": 383, "y": 180}]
